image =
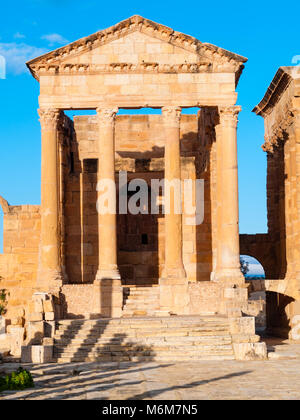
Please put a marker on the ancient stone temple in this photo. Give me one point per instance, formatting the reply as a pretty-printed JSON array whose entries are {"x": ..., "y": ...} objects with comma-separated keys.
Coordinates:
[
  {"x": 64, "y": 260},
  {"x": 279, "y": 249}
]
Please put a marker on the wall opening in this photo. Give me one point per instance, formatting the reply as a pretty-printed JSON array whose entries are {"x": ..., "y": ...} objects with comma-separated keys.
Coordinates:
[
  {"x": 252, "y": 268},
  {"x": 137, "y": 234},
  {"x": 254, "y": 272}
]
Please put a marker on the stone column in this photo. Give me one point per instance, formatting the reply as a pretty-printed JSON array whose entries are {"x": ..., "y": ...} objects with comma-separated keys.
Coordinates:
[
  {"x": 49, "y": 271},
  {"x": 228, "y": 249},
  {"x": 108, "y": 276},
  {"x": 173, "y": 284}
]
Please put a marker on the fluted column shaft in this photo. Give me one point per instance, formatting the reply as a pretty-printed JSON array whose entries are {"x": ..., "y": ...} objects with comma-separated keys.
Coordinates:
[
  {"x": 107, "y": 223},
  {"x": 49, "y": 265},
  {"x": 173, "y": 222},
  {"x": 228, "y": 249}
]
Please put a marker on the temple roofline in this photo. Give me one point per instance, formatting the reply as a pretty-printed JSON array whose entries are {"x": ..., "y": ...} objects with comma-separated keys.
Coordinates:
[
  {"x": 278, "y": 86},
  {"x": 135, "y": 23}
]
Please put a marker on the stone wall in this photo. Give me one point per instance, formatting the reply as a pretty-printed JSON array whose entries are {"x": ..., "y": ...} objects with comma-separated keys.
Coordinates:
[
  {"x": 18, "y": 263},
  {"x": 139, "y": 151},
  {"x": 206, "y": 297},
  {"x": 280, "y": 110},
  {"x": 77, "y": 300}
]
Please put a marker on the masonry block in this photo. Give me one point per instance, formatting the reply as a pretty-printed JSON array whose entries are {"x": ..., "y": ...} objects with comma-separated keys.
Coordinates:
[{"x": 37, "y": 354}]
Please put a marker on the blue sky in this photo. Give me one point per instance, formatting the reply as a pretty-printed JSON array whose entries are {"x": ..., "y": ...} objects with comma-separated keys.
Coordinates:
[{"x": 266, "y": 32}]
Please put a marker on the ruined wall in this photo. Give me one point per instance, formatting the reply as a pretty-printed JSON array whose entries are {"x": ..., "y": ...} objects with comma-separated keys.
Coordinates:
[
  {"x": 139, "y": 151},
  {"x": 18, "y": 263},
  {"x": 280, "y": 110}
]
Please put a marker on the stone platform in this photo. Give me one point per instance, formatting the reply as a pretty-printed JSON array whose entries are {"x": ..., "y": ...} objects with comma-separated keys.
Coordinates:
[{"x": 178, "y": 338}]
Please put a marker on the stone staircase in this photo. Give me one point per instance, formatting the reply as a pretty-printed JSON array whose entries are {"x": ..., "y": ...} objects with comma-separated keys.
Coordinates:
[
  {"x": 178, "y": 338},
  {"x": 140, "y": 301}
]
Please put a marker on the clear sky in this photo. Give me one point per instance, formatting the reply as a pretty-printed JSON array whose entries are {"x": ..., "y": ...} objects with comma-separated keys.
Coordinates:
[{"x": 266, "y": 32}]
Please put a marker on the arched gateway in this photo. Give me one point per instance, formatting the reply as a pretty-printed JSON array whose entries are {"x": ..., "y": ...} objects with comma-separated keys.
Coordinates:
[{"x": 194, "y": 268}]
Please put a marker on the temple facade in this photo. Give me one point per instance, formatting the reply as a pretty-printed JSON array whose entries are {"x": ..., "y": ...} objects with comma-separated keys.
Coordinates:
[{"x": 66, "y": 260}]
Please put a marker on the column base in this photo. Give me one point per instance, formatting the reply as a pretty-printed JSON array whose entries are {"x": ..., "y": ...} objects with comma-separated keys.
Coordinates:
[
  {"x": 49, "y": 279},
  {"x": 107, "y": 274},
  {"x": 229, "y": 277},
  {"x": 174, "y": 295}
]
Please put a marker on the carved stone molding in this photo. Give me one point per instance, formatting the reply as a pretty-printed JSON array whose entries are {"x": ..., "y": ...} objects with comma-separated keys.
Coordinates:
[
  {"x": 171, "y": 115},
  {"x": 50, "y": 118},
  {"x": 106, "y": 116},
  {"x": 85, "y": 68},
  {"x": 229, "y": 115}
]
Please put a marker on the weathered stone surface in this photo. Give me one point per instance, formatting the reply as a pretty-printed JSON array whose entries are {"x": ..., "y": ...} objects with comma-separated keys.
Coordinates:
[
  {"x": 16, "y": 340},
  {"x": 37, "y": 354},
  {"x": 2, "y": 325},
  {"x": 35, "y": 316},
  {"x": 49, "y": 316},
  {"x": 250, "y": 351},
  {"x": 35, "y": 332},
  {"x": 278, "y": 250},
  {"x": 48, "y": 305}
]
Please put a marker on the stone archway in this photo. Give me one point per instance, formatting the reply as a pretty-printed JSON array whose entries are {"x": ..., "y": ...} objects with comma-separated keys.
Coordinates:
[
  {"x": 255, "y": 267},
  {"x": 257, "y": 295}
]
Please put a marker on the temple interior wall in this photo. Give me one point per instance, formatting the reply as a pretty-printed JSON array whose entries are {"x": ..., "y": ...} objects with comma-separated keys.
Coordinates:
[{"x": 139, "y": 151}]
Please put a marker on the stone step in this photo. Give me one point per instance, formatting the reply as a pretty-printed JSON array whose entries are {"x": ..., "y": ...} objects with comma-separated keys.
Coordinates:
[
  {"x": 141, "y": 334},
  {"x": 137, "y": 291},
  {"x": 162, "y": 351},
  {"x": 143, "y": 296},
  {"x": 146, "y": 359},
  {"x": 160, "y": 343},
  {"x": 130, "y": 331},
  {"x": 162, "y": 319},
  {"x": 145, "y": 327},
  {"x": 140, "y": 323},
  {"x": 150, "y": 338},
  {"x": 143, "y": 302},
  {"x": 161, "y": 338},
  {"x": 145, "y": 309},
  {"x": 145, "y": 288},
  {"x": 141, "y": 307}
]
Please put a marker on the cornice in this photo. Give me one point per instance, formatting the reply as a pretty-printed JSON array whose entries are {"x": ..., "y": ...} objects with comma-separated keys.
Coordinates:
[
  {"x": 277, "y": 87},
  {"x": 82, "y": 68}
]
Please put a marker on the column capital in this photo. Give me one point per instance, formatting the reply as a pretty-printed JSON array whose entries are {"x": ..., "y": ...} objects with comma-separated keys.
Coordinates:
[
  {"x": 171, "y": 115},
  {"x": 229, "y": 114},
  {"x": 50, "y": 117},
  {"x": 106, "y": 116}
]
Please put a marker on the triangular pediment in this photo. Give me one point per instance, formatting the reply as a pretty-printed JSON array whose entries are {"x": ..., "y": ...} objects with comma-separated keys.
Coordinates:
[{"x": 137, "y": 44}]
